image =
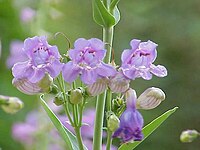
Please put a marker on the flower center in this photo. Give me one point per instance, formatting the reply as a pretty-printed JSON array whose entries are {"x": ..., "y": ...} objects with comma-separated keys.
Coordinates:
[
  {"x": 88, "y": 58},
  {"x": 40, "y": 55}
]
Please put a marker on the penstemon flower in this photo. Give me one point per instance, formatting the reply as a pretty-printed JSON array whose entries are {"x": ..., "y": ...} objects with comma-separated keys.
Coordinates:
[
  {"x": 131, "y": 121},
  {"x": 42, "y": 58},
  {"x": 138, "y": 61},
  {"x": 87, "y": 60}
]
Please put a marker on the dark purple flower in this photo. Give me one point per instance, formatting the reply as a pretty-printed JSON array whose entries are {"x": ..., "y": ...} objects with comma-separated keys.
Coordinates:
[
  {"x": 42, "y": 58},
  {"x": 87, "y": 60},
  {"x": 16, "y": 53},
  {"x": 138, "y": 61},
  {"x": 131, "y": 121}
]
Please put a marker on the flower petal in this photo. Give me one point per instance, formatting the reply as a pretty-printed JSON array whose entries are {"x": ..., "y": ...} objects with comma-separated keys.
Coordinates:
[
  {"x": 130, "y": 73},
  {"x": 98, "y": 87},
  {"x": 105, "y": 70},
  {"x": 150, "y": 47},
  {"x": 54, "y": 68},
  {"x": 70, "y": 72},
  {"x": 22, "y": 69},
  {"x": 119, "y": 83},
  {"x": 145, "y": 73},
  {"x": 134, "y": 44},
  {"x": 159, "y": 70},
  {"x": 89, "y": 76},
  {"x": 81, "y": 43},
  {"x": 26, "y": 86},
  {"x": 37, "y": 76},
  {"x": 96, "y": 44}
]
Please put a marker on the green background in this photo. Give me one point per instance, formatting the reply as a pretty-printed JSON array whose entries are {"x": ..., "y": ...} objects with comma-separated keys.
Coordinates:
[{"x": 174, "y": 25}]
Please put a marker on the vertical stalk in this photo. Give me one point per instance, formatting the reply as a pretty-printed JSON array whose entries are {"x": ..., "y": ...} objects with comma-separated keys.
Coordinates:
[
  {"x": 109, "y": 140},
  {"x": 101, "y": 100},
  {"x": 79, "y": 139}
]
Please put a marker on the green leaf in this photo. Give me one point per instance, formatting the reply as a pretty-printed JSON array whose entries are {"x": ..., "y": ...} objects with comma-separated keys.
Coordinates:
[
  {"x": 68, "y": 137},
  {"x": 148, "y": 129},
  {"x": 102, "y": 16},
  {"x": 116, "y": 14}
]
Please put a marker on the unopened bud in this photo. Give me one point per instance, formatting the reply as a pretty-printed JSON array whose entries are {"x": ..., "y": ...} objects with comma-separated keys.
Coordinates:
[
  {"x": 59, "y": 99},
  {"x": 46, "y": 83},
  {"x": 76, "y": 96},
  {"x": 189, "y": 136},
  {"x": 150, "y": 98},
  {"x": 113, "y": 122},
  {"x": 118, "y": 106},
  {"x": 11, "y": 104}
]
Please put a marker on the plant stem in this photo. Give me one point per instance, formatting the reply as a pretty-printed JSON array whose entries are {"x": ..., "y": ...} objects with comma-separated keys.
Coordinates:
[
  {"x": 97, "y": 143},
  {"x": 109, "y": 140},
  {"x": 78, "y": 137}
]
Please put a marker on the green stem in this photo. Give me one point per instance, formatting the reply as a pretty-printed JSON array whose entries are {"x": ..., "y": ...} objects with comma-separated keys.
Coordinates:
[
  {"x": 79, "y": 139},
  {"x": 97, "y": 143},
  {"x": 109, "y": 140},
  {"x": 108, "y": 39}
]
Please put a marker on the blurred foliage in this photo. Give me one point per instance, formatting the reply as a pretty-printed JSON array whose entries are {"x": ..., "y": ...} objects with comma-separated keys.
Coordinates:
[{"x": 173, "y": 24}]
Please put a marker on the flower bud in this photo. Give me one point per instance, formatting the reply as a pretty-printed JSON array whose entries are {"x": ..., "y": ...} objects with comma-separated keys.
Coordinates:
[
  {"x": 59, "y": 99},
  {"x": 189, "y": 136},
  {"x": 11, "y": 104},
  {"x": 118, "y": 106},
  {"x": 76, "y": 96},
  {"x": 150, "y": 98},
  {"x": 113, "y": 122},
  {"x": 98, "y": 87},
  {"x": 29, "y": 88},
  {"x": 46, "y": 83}
]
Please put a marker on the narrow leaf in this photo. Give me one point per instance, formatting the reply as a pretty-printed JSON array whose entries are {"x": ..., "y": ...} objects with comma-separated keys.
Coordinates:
[
  {"x": 68, "y": 137},
  {"x": 148, "y": 129}
]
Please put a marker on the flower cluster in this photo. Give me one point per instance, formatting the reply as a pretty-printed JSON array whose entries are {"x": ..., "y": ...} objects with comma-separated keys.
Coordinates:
[{"x": 35, "y": 73}]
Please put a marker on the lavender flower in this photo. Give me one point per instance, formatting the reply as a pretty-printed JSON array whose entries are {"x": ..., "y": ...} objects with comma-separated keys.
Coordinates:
[
  {"x": 87, "y": 60},
  {"x": 27, "y": 14},
  {"x": 131, "y": 121},
  {"x": 138, "y": 61},
  {"x": 42, "y": 58},
  {"x": 16, "y": 53}
]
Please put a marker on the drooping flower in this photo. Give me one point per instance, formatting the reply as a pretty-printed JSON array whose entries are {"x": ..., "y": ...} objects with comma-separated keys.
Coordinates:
[
  {"x": 42, "y": 58},
  {"x": 138, "y": 61},
  {"x": 87, "y": 60},
  {"x": 16, "y": 53},
  {"x": 131, "y": 121}
]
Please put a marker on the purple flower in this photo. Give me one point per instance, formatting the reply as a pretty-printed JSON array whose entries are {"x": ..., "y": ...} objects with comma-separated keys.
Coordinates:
[
  {"x": 87, "y": 60},
  {"x": 42, "y": 58},
  {"x": 27, "y": 14},
  {"x": 131, "y": 121},
  {"x": 138, "y": 61},
  {"x": 16, "y": 53}
]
